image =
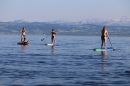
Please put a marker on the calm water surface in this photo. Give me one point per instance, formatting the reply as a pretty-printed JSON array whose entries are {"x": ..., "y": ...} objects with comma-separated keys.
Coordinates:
[{"x": 73, "y": 62}]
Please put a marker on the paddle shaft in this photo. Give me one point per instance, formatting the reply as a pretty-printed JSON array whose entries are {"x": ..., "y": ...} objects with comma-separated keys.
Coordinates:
[
  {"x": 44, "y": 38},
  {"x": 110, "y": 41}
]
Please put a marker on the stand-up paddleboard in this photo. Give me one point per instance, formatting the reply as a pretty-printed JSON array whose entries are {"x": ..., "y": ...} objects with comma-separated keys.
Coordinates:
[
  {"x": 51, "y": 44},
  {"x": 103, "y": 49},
  {"x": 21, "y": 43}
]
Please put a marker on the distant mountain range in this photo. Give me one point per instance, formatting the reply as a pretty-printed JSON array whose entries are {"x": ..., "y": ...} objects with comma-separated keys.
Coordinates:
[
  {"x": 116, "y": 27},
  {"x": 124, "y": 21}
]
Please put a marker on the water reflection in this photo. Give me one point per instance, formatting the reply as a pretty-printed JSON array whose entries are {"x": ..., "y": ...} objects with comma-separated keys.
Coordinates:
[
  {"x": 52, "y": 49},
  {"x": 103, "y": 58},
  {"x": 104, "y": 66},
  {"x": 23, "y": 48},
  {"x": 104, "y": 54}
]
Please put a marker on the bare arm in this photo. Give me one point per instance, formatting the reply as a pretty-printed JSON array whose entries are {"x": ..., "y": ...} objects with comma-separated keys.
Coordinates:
[{"x": 107, "y": 34}]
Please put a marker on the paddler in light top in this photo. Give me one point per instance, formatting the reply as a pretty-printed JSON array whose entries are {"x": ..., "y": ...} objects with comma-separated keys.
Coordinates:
[
  {"x": 23, "y": 31},
  {"x": 53, "y": 36},
  {"x": 104, "y": 36}
]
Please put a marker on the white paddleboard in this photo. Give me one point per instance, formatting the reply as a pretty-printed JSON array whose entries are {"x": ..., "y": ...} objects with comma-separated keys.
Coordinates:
[{"x": 51, "y": 44}]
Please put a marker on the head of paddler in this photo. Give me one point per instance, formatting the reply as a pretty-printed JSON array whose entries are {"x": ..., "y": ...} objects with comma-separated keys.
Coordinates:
[
  {"x": 23, "y": 28},
  {"x": 52, "y": 30}
]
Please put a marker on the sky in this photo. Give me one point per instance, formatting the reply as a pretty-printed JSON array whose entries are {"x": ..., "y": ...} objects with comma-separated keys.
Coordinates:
[{"x": 67, "y": 10}]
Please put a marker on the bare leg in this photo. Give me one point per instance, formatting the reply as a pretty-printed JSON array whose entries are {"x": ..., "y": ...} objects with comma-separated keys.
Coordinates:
[
  {"x": 102, "y": 42},
  {"x": 105, "y": 42},
  {"x": 24, "y": 36},
  {"x": 54, "y": 40},
  {"x": 21, "y": 38}
]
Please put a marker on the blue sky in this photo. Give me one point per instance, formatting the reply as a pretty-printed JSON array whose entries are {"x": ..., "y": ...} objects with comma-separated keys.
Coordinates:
[{"x": 70, "y": 10}]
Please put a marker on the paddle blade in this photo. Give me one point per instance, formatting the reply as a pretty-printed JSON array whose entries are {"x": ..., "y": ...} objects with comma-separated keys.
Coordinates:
[{"x": 42, "y": 39}]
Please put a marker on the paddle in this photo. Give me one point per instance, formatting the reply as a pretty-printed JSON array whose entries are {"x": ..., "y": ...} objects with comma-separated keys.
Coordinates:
[
  {"x": 44, "y": 38},
  {"x": 110, "y": 42}
]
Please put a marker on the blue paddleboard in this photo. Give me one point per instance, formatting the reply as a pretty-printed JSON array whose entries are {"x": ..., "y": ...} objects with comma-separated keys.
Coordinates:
[{"x": 103, "y": 49}]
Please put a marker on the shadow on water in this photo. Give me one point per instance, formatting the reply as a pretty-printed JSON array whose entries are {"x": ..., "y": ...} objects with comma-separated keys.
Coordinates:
[
  {"x": 53, "y": 49},
  {"x": 23, "y": 47}
]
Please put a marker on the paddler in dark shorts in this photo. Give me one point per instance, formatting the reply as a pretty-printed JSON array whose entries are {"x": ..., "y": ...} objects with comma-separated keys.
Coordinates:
[
  {"x": 104, "y": 36},
  {"x": 53, "y": 36},
  {"x": 23, "y": 31},
  {"x": 25, "y": 41}
]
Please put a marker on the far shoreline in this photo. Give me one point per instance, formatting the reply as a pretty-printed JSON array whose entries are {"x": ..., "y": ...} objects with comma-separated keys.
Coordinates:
[{"x": 63, "y": 35}]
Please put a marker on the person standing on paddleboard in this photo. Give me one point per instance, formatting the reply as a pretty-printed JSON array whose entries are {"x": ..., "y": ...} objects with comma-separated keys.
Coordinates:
[
  {"x": 53, "y": 36},
  {"x": 104, "y": 36},
  {"x": 23, "y": 31}
]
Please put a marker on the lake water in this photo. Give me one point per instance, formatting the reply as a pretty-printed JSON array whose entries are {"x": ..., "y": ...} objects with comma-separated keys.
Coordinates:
[{"x": 73, "y": 62}]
